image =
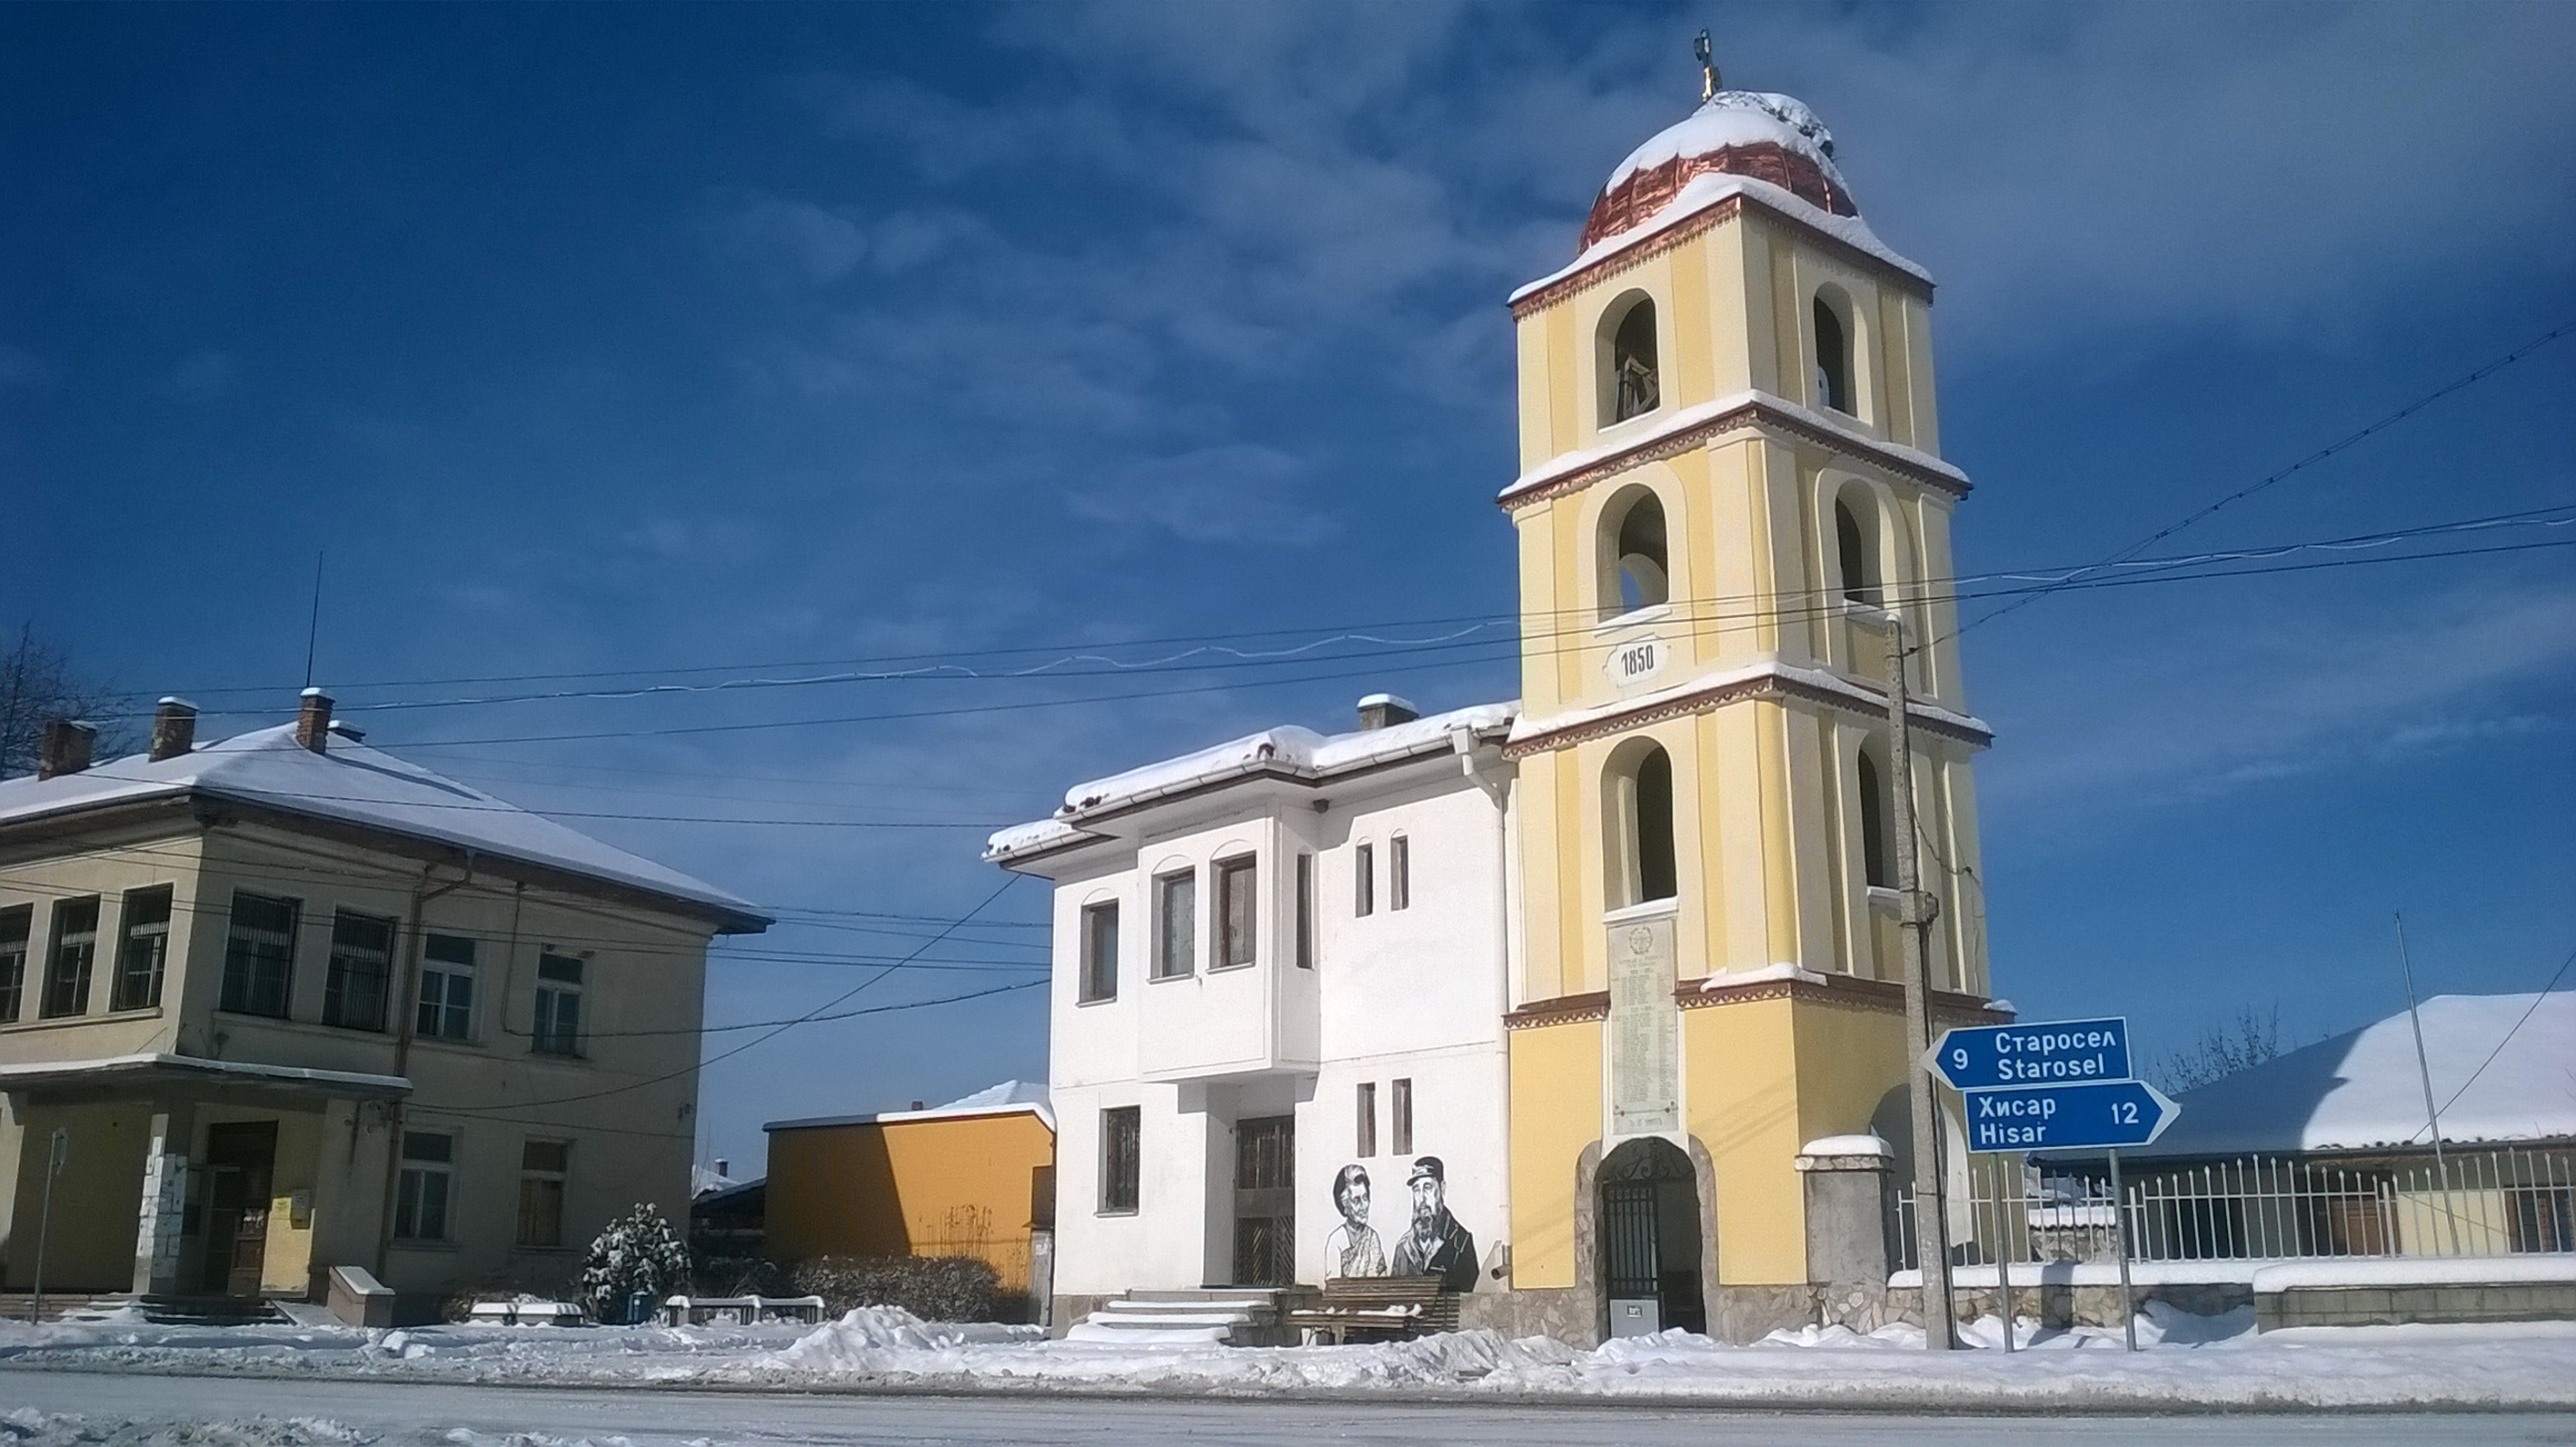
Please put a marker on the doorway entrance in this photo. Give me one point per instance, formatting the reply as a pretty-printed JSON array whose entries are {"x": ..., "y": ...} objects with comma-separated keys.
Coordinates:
[
  {"x": 239, "y": 1160},
  {"x": 1650, "y": 1237},
  {"x": 1265, "y": 1201}
]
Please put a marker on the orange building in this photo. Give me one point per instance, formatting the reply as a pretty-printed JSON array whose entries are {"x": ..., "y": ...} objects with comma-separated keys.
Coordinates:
[{"x": 974, "y": 1177}]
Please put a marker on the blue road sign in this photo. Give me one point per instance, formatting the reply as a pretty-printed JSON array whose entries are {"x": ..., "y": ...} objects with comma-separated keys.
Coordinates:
[
  {"x": 2107, "y": 1113},
  {"x": 2048, "y": 1052}
]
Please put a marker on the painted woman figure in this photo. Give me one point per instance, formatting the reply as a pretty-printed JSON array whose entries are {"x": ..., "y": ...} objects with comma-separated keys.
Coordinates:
[{"x": 1353, "y": 1248}]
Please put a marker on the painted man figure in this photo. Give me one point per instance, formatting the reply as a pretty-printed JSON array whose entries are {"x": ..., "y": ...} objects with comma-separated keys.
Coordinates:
[
  {"x": 1437, "y": 1245},
  {"x": 1353, "y": 1248}
]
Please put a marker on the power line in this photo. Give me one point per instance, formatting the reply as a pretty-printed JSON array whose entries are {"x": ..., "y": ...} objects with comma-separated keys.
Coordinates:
[{"x": 2554, "y": 978}]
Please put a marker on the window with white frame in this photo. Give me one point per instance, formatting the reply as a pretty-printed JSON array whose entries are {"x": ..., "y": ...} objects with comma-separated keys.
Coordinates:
[
  {"x": 544, "y": 1166},
  {"x": 1401, "y": 1107},
  {"x": 1122, "y": 1131},
  {"x": 143, "y": 952},
  {"x": 1176, "y": 923},
  {"x": 1238, "y": 912},
  {"x": 1099, "y": 952},
  {"x": 446, "y": 1007},
  {"x": 557, "y": 1029},
  {"x": 425, "y": 1186},
  {"x": 1399, "y": 872},
  {"x": 1363, "y": 879},
  {"x": 360, "y": 972},
  {"x": 1305, "y": 911},
  {"x": 1365, "y": 1145},
  {"x": 68, "y": 963},
  {"x": 259, "y": 955}
]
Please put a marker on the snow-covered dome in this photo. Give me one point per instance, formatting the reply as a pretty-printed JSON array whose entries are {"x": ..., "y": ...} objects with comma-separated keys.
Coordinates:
[{"x": 1767, "y": 137}]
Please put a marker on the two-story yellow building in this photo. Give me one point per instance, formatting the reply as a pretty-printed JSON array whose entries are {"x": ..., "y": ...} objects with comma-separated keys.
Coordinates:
[{"x": 290, "y": 1003}]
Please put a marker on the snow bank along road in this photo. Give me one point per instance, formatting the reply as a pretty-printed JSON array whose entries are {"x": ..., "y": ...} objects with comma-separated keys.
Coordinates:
[{"x": 84, "y": 1409}]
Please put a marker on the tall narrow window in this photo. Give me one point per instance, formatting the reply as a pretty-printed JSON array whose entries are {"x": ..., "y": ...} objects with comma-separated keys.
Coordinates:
[
  {"x": 1636, "y": 571},
  {"x": 1176, "y": 924},
  {"x": 557, "y": 1030},
  {"x": 543, "y": 1167},
  {"x": 1238, "y": 912},
  {"x": 1399, "y": 872},
  {"x": 1364, "y": 879},
  {"x": 259, "y": 955},
  {"x": 422, "y": 1190},
  {"x": 1402, "y": 1109},
  {"x": 446, "y": 988},
  {"x": 1637, "y": 794},
  {"x": 360, "y": 972},
  {"x": 1635, "y": 388},
  {"x": 15, "y": 922},
  {"x": 143, "y": 953},
  {"x": 1833, "y": 358},
  {"x": 1305, "y": 911},
  {"x": 1366, "y": 1145},
  {"x": 1122, "y": 1133},
  {"x": 1853, "y": 551},
  {"x": 1099, "y": 952},
  {"x": 68, "y": 963},
  {"x": 1875, "y": 867}
]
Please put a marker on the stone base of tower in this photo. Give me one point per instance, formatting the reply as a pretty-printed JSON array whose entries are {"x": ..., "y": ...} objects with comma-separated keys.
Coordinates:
[{"x": 1749, "y": 1232}]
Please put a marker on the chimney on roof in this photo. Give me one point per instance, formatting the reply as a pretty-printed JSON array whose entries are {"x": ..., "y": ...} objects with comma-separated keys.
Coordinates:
[
  {"x": 723, "y": 1167},
  {"x": 66, "y": 748},
  {"x": 1380, "y": 709},
  {"x": 917, "y": 1105},
  {"x": 313, "y": 720},
  {"x": 174, "y": 729}
]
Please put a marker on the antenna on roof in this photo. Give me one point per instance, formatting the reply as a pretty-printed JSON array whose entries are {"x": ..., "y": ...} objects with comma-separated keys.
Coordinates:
[
  {"x": 1707, "y": 67},
  {"x": 313, "y": 630}
]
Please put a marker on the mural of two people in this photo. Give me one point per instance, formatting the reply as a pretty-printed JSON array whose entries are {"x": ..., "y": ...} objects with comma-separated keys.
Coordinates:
[{"x": 1433, "y": 1244}]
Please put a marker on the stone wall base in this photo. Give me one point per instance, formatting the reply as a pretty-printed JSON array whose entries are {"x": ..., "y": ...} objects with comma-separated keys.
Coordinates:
[
  {"x": 2383, "y": 1305},
  {"x": 1866, "y": 1308},
  {"x": 1560, "y": 1312},
  {"x": 1066, "y": 1310}
]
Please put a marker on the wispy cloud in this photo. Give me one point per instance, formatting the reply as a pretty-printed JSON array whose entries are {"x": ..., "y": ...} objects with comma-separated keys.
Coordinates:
[{"x": 1237, "y": 493}]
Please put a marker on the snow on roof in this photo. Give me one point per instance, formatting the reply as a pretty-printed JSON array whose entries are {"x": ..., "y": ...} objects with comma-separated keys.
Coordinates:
[
  {"x": 1737, "y": 118},
  {"x": 354, "y": 784},
  {"x": 1708, "y": 190},
  {"x": 2361, "y": 1090},
  {"x": 1287, "y": 750},
  {"x": 1002, "y": 1099}
]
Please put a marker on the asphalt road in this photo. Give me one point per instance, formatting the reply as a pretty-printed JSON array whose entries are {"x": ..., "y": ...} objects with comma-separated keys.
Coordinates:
[{"x": 407, "y": 1414}]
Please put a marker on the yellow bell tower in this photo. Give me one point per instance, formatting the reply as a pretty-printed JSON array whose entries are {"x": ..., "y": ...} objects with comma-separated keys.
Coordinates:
[{"x": 1731, "y": 485}]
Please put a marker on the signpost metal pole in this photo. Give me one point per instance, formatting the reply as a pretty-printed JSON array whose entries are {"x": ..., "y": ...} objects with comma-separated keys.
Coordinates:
[
  {"x": 2120, "y": 1232},
  {"x": 1914, "y": 918},
  {"x": 57, "y": 1151},
  {"x": 2003, "y": 1247}
]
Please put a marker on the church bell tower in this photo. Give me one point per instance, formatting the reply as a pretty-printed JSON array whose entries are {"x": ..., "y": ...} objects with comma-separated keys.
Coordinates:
[{"x": 1731, "y": 490}]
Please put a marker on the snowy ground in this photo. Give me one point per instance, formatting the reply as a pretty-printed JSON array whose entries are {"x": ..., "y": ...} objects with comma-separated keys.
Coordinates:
[{"x": 2189, "y": 1361}]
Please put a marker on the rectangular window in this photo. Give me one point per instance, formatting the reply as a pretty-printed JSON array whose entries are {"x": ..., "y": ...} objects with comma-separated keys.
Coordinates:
[
  {"x": 1305, "y": 911},
  {"x": 558, "y": 1025},
  {"x": 361, "y": 970},
  {"x": 15, "y": 923},
  {"x": 446, "y": 988},
  {"x": 1364, "y": 879},
  {"x": 542, "y": 1167},
  {"x": 1122, "y": 1131},
  {"x": 143, "y": 955},
  {"x": 1368, "y": 1120},
  {"x": 422, "y": 1192},
  {"x": 67, "y": 964},
  {"x": 259, "y": 955},
  {"x": 1399, "y": 872},
  {"x": 2540, "y": 1218},
  {"x": 1238, "y": 911},
  {"x": 1099, "y": 952},
  {"x": 1176, "y": 924},
  {"x": 1403, "y": 1123}
]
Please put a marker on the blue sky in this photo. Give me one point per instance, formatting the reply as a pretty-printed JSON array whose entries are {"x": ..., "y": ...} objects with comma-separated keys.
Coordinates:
[{"x": 590, "y": 339}]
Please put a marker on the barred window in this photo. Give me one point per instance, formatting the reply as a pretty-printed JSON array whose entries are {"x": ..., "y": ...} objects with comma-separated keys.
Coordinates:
[
  {"x": 1122, "y": 1132},
  {"x": 67, "y": 964},
  {"x": 360, "y": 973},
  {"x": 259, "y": 955},
  {"x": 143, "y": 956}
]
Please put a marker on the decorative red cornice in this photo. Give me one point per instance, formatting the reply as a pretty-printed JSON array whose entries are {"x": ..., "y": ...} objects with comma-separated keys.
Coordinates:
[
  {"x": 1754, "y": 413},
  {"x": 1738, "y": 690},
  {"x": 1846, "y": 991},
  {"x": 1700, "y": 223}
]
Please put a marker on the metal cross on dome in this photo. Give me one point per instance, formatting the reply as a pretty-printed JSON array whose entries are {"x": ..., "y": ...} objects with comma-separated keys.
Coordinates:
[{"x": 1707, "y": 67}]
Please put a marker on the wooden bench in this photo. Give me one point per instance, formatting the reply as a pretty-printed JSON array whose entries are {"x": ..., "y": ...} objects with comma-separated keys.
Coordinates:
[{"x": 1377, "y": 1308}]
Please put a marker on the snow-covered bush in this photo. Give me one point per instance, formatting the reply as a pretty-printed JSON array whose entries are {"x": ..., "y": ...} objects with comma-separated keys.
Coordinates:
[
  {"x": 934, "y": 1288},
  {"x": 638, "y": 1252}
]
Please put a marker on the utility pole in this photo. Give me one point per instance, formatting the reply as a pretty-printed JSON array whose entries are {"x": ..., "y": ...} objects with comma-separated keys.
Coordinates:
[
  {"x": 2424, "y": 1071},
  {"x": 1915, "y": 911}
]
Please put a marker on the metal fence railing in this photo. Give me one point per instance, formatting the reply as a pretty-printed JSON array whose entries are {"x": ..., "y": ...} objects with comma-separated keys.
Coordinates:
[{"x": 2473, "y": 1203}]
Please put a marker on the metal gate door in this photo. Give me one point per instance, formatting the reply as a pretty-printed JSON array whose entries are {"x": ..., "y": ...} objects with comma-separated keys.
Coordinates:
[
  {"x": 1632, "y": 1267},
  {"x": 1265, "y": 1202}
]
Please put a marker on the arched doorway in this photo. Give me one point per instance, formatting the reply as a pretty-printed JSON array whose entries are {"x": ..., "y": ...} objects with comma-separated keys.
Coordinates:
[{"x": 1650, "y": 1238}]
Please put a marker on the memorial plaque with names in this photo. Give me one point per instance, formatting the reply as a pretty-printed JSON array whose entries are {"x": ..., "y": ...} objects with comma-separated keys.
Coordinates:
[{"x": 1645, "y": 1027}]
